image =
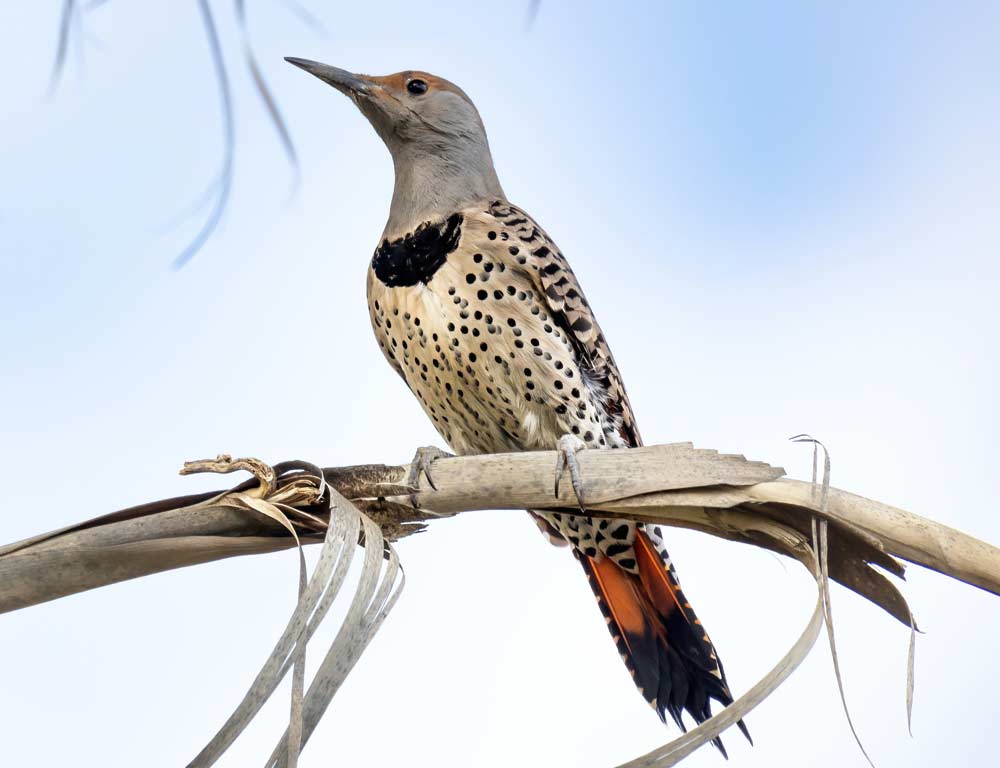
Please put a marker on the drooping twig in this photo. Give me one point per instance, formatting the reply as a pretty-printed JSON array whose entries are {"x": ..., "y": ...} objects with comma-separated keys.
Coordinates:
[
  {"x": 62, "y": 44},
  {"x": 224, "y": 182},
  {"x": 273, "y": 112},
  {"x": 306, "y": 16},
  {"x": 219, "y": 191},
  {"x": 532, "y": 14}
]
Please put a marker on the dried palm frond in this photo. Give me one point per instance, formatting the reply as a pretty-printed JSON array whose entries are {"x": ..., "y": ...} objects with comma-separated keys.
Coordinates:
[{"x": 835, "y": 534}]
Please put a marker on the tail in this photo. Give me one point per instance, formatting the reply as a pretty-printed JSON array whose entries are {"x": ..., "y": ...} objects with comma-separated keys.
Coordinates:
[{"x": 661, "y": 641}]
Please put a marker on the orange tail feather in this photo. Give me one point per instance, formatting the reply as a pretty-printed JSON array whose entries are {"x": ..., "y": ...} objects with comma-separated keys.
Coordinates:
[{"x": 666, "y": 650}]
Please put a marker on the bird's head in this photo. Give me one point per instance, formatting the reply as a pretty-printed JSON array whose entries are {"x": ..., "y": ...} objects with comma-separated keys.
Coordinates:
[
  {"x": 408, "y": 108},
  {"x": 433, "y": 130}
]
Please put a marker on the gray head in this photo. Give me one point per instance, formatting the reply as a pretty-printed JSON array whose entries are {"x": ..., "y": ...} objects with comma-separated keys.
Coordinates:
[{"x": 436, "y": 137}]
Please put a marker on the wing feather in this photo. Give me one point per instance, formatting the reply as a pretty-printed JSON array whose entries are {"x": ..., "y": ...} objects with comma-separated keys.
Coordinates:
[{"x": 539, "y": 256}]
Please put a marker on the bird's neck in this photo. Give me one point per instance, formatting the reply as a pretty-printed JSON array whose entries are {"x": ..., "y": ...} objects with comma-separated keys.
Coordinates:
[{"x": 434, "y": 184}]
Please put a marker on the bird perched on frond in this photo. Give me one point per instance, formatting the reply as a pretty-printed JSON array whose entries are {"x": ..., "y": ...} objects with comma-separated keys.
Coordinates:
[{"x": 477, "y": 309}]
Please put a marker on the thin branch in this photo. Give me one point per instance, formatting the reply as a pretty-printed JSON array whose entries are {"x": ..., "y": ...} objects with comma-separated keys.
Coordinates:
[
  {"x": 218, "y": 193},
  {"x": 228, "y": 136},
  {"x": 532, "y": 15},
  {"x": 62, "y": 44},
  {"x": 266, "y": 96},
  {"x": 307, "y": 17}
]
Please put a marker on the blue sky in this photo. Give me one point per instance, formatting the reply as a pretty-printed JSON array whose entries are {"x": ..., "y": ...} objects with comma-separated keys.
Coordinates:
[{"x": 784, "y": 216}]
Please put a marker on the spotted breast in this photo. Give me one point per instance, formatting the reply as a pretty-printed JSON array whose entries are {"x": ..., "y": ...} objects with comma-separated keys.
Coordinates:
[{"x": 481, "y": 315}]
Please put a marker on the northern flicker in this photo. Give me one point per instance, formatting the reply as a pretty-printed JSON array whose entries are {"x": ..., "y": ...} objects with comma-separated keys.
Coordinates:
[{"x": 478, "y": 311}]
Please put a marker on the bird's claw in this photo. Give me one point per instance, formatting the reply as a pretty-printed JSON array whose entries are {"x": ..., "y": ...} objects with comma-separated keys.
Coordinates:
[
  {"x": 421, "y": 465},
  {"x": 566, "y": 450}
]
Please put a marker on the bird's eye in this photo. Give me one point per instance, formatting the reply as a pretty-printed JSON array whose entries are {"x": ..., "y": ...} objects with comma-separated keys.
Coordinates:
[{"x": 416, "y": 87}]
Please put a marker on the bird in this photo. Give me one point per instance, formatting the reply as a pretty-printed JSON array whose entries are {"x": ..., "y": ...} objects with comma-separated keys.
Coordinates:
[{"x": 477, "y": 309}]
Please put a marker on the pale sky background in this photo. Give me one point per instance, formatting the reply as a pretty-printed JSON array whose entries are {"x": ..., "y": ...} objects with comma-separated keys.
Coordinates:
[{"x": 785, "y": 218}]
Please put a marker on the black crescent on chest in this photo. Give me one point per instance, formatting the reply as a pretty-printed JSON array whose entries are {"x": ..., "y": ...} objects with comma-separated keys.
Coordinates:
[{"x": 417, "y": 256}]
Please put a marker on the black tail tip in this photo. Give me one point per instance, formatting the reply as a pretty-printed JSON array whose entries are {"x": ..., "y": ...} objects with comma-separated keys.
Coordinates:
[{"x": 717, "y": 742}]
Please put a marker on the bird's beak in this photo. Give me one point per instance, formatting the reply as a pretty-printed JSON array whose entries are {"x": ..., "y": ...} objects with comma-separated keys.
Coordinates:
[{"x": 346, "y": 82}]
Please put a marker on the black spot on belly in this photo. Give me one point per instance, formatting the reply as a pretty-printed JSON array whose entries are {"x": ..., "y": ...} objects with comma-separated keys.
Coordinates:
[{"x": 415, "y": 258}]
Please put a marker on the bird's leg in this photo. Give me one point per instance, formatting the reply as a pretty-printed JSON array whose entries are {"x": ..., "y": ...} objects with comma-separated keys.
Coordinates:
[
  {"x": 566, "y": 449},
  {"x": 421, "y": 464}
]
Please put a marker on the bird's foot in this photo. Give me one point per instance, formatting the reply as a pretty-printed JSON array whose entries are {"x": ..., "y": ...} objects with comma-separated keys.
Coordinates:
[
  {"x": 567, "y": 448},
  {"x": 421, "y": 465}
]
